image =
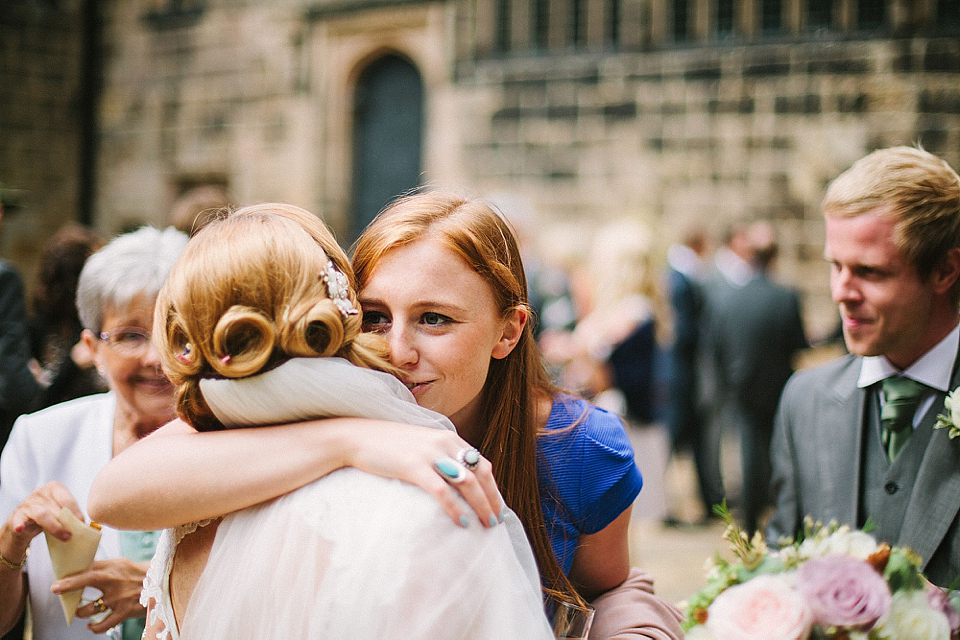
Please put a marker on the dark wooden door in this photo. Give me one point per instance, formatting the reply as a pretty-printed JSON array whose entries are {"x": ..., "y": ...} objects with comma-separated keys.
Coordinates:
[{"x": 387, "y": 134}]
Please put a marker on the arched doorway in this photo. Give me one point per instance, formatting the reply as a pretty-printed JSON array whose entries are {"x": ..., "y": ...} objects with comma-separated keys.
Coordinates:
[{"x": 387, "y": 136}]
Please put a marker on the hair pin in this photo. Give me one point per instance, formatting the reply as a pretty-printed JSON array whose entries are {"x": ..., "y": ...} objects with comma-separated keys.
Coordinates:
[
  {"x": 225, "y": 359},
  {"x": 185, "y": 356}
]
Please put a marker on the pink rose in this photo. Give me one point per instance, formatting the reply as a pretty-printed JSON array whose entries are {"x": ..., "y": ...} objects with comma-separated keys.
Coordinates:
[
  {"x": 764, "y": 607},
  {"x": 843, "y": 591}
]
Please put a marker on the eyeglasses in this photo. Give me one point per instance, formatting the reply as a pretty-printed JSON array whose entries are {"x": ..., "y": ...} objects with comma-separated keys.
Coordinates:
[{"x": 129, "y": 341}]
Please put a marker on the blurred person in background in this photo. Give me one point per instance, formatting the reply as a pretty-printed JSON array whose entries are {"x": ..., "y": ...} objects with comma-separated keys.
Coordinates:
[
  {"x": 188, "y": 211},
  {"x": 20, "y": 388},
  {"x": 53, "y": 455},
  {"x": 66, "y": 362},
  {"x": 758, "y": 332},
  {"x": 687, "y": 414},
  {"x": 616, "y": 345}
]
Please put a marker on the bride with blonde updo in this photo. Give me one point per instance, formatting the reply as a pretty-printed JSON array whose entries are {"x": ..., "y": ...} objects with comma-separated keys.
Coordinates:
[
  {"x": 258, "y": 324},
  {"x": 224, "y": 315}
]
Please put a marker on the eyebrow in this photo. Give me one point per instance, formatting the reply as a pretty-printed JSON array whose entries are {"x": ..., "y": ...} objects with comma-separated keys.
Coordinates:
[{"x": 420, "y": 304}]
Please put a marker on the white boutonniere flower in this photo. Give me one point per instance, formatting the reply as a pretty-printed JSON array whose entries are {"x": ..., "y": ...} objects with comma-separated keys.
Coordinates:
[{"x": 951, "y": 419}]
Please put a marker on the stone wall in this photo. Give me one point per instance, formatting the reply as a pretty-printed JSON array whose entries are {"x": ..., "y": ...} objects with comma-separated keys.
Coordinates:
[
  {"x": 41, "y": 122},
  {"x": 256, "y": 97},
  {"x": 716, "y": 134},
  {"x": 213, "y": 96}
]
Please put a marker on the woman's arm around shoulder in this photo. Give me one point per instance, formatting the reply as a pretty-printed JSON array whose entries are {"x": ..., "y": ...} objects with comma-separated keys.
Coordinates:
[{"x": 177, "y": 475}]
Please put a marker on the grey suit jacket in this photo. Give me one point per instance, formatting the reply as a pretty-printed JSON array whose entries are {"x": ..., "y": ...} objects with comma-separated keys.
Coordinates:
[
  {"x": 816, "y": 454},
  {"x": 757, "y": 330}
]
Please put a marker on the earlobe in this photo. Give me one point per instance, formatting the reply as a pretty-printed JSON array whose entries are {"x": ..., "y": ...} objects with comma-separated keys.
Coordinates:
[{"x": 513, "y": 326}]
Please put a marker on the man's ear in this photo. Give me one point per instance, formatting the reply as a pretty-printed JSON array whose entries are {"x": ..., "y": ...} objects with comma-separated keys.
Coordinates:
[
  {"x": 513, "y": 325},
  {"x": 945, "y": 274}
]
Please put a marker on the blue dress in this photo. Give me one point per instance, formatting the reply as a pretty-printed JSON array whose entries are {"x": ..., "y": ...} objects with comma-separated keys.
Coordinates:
[{"x": 589, "y": 476}]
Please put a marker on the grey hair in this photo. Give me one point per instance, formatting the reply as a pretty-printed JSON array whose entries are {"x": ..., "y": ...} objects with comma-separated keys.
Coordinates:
[{"x": 132, "y": 264}]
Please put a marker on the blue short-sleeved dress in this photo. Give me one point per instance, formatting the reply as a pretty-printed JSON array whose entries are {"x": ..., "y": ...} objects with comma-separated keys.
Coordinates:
[{"x": 590, "y": 476}]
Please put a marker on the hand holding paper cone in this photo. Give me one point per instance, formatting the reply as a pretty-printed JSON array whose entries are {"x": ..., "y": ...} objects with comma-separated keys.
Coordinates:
[{"x": 73, "y": 556}]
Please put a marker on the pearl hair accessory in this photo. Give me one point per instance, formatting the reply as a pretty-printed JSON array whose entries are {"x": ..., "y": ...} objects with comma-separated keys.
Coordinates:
[{"x": 337, "y": 284}]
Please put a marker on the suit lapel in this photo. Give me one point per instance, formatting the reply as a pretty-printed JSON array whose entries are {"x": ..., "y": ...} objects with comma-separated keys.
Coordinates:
[
  {"x": 839, "y": 447},
  {"x": 935, "y": 500}
]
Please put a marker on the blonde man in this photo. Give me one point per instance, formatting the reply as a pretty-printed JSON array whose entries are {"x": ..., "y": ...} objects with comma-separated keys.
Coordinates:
[{"x": 855, "y": 438}]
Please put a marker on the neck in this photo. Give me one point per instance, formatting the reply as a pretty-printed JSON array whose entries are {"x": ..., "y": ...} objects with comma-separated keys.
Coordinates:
[
  {"x": 941, "y": 324},
  {"x": 127, "y": 429}
]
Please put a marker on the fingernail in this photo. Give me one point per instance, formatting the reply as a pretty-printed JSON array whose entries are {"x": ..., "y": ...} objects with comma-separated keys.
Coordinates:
[
  {"x": 19, "y": 528},
  {"x": 500, "y": 517},
  {"x": 464, "y": 522},
  {"x": 65, "y": 536},
  {"x": 493, "y": 520}
]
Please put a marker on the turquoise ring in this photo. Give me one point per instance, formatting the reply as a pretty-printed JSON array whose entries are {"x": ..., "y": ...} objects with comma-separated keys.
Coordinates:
[
  {"x": 469, "y": 457},
  {"x": 450, "y": 470}
]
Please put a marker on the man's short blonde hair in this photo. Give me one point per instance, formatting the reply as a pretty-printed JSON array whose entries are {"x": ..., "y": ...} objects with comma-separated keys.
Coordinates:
[{"x": 918, "y": 189}]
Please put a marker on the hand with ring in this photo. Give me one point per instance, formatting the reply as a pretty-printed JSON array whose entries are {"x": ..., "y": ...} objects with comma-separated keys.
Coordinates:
[
  {"x": 469, "y": 457},
  {"x": 119, "y": 580},
  {"x": 450, "y": 470},
  {"x": 409, "y": 453}
]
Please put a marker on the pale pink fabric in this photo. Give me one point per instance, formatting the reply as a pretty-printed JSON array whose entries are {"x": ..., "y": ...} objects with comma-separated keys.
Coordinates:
[{"x": 632, "y": 611}]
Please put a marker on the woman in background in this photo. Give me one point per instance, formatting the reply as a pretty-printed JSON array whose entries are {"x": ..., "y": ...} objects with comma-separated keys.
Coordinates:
[
  {"x": 53, "y": 455},
  {"x": 67, "y": 365}
]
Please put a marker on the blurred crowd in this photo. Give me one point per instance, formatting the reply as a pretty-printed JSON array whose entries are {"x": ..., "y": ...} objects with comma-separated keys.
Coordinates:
[{"x": 698, "y": 342}]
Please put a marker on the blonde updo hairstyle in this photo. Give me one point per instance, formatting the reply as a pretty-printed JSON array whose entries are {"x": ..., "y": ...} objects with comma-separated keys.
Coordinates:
[{"x": 248, "y": 294}]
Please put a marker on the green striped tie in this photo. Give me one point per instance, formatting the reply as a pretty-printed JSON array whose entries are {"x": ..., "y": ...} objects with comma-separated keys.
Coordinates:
[{"x": 901, "y": 396}]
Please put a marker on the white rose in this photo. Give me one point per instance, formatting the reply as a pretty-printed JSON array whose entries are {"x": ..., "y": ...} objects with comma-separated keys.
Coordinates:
[
  {"x": 814, "y": 548},
  {"x": 953, "y": 408},
  {"x": 855, "y": 543},
  {"x": 911, "y": 618}
]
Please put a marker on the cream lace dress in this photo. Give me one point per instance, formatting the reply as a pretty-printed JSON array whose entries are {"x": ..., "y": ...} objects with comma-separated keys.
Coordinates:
[{"x": 351, "y": 555}]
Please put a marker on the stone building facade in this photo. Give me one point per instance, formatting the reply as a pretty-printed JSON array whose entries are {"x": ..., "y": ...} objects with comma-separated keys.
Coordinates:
[
  {"x": 585, "y": 110},
  {"x": 47, "y": 138}
]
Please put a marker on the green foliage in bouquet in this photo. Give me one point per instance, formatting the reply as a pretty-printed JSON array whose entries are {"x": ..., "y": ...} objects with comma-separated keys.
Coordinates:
[{"x": 830, "y": 582}]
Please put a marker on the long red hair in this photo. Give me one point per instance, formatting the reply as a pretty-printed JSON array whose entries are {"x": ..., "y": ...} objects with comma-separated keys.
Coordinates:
[{"x": 473, "y": 230}]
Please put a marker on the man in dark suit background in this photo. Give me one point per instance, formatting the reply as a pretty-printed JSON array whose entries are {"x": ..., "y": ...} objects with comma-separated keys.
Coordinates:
[
  {"x": 19, "y": 390},
  {"x": 843, "y": 448},
  {"x": 757, "y": 332},
  {"x": 688, "y": 417}
]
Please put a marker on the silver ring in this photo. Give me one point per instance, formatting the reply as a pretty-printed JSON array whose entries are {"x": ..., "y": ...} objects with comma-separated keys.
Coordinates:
[
  {"x": 469, "y": 457},
  {"x": 450, "y": 470},
  {"x": 99, "y": 606}
]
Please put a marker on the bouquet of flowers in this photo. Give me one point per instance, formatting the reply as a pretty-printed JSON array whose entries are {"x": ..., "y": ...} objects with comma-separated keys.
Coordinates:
[{"x": 833, "y": 582}]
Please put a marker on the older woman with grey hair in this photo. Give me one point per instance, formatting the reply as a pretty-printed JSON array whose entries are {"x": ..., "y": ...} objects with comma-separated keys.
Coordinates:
[{"x": 53, "y": 455}]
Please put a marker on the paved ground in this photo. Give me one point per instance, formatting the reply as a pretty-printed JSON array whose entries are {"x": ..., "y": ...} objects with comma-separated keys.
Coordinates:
[{"x": 676, "y": 556}]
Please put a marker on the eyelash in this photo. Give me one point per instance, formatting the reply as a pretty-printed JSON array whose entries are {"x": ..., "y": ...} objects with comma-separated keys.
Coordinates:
[{"x": 374, "y": 319}]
